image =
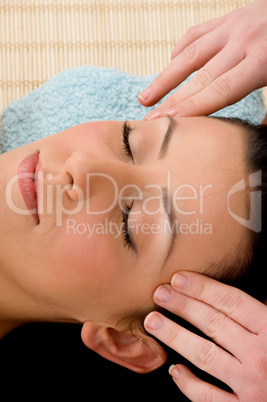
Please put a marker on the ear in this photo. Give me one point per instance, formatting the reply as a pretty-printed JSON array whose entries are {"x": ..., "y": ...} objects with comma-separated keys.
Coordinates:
[
  {"x": 264, "y": 121},
  {"x": 139, "y": 353}
]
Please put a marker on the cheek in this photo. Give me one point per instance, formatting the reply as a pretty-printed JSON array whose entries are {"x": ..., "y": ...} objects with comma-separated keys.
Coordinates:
[
  {"x": 81, "y": 254},
  {"x": 93, "y": 136}
]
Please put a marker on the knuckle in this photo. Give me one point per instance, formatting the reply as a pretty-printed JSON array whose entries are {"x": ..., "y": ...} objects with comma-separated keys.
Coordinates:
[
  {"x": 189, "y": 105},
  {"x": 169, "y": 103},
  {"x": 247, "y": 32},
  {"x": 222, "y": 87},
  {"x": 243, "y": 35},
  {"x": 207, "y": 355},
  {"x": 172, "y": 335},
  {"x": 192, "y": 33},
  {"x": 191, "y": 52},
  {"x": 204, "y": 77},
  {"x": 215, "y": 324},
  {"x": 231, "y": 301},
  {"x": 201, "y": 290},
  {"x": 182, "y": 306}
]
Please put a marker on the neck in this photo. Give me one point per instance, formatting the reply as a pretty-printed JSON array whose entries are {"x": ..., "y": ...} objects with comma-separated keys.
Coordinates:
[
  {"x": 17, "y": 307},
  {"x": 9, "y": 302}
]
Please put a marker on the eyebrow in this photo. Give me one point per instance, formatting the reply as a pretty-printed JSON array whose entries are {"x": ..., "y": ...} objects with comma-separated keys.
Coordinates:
[
  {"x": 167, "y": 204},
  {"x": 167, "y": 137}
]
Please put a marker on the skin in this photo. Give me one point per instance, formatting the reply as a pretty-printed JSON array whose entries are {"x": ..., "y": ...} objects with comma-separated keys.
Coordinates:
[
  {"x": 226, "y": 315},
  {"x": 225, "y": 73},
  {"x": 59, "y": 275}
]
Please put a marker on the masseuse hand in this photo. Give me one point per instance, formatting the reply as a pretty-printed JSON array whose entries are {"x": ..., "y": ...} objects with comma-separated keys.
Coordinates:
[
  {"x": 234, "y": 320},
  {"x": 230, "y": 53}
]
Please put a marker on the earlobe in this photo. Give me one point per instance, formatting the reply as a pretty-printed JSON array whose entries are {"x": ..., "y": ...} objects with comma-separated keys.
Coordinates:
[{"x": 139, "y": 353}]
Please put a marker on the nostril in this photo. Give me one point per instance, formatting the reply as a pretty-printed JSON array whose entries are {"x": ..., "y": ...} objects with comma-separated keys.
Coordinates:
[
  {"x": 70, "y": 187},
  {"x": 74, "y": 191},
  {"x": 69, "y": 179}
]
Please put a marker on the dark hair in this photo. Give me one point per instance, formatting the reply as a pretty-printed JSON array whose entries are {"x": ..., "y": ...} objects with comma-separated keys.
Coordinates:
[
  {"x": 250, "y": 269},
  {"x": 245, "y": 269}
]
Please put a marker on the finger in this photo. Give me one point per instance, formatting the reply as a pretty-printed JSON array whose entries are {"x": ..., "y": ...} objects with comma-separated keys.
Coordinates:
[
  {"x": 225, "y": 60},
  {"x": 189, "y": 60},
  {"x": 223, "y": 91},
  {"x": 194, "y": 33},
  {"x": 201, "y": 352},
  {"x": 216, "y": 325},
  {"x": 196, "y": 389},
  {"x": 239, "y": 306}
]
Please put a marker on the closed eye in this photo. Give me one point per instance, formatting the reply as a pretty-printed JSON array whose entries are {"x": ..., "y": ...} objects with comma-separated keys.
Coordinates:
[
  {"x": 126, "y": 130},
  {"x": 126, "y": 234}
]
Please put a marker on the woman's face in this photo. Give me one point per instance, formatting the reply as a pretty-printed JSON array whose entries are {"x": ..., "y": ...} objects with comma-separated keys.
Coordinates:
[{"x": 172, "y": 181}]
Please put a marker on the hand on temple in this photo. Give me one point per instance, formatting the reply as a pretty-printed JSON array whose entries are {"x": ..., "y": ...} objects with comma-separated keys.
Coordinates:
[
  {"x": 235, "y": 321},
  {"x": 230, "y": 54}
]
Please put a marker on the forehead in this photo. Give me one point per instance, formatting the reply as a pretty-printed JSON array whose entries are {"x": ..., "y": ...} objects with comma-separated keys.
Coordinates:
[
  {"x": 214, "y": 140},
  {"x": 209, "y": 157},
  {"x": 207, "y": 151}
]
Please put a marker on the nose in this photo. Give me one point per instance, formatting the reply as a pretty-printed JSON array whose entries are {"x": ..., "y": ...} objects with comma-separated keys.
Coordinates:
[{"x": 95, "y": 177}]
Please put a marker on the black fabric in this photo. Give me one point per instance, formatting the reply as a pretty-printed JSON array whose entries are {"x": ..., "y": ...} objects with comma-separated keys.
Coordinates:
[{"x": 50, "y": 361}]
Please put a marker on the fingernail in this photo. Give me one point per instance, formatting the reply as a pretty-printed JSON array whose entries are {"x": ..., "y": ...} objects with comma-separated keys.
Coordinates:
[
  {"x": 145, "y": 94},
  {"x": 162, "y": 294},
  {"x": 153, "y": 115},
  {"x": 171, "y": 112},
  {"x": 174, "y": 371},
  {"x": 180, "y": 281},
  {"x": 153, "y": 321}
]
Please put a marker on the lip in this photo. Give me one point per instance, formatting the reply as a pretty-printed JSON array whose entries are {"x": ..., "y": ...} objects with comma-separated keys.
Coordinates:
[{"x": 27, "y": 174}]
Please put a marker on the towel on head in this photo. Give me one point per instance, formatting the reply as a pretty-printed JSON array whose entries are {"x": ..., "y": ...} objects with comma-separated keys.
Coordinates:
[{"x": 88, "y": 93}]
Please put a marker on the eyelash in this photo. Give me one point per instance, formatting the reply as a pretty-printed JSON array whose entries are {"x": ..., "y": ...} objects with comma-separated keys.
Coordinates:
[
  {"x": 125, "y": 229},
  {"x": 126, "y": 129}
]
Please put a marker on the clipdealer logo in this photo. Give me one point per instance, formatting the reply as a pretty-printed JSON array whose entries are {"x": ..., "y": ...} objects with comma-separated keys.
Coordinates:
[
  {"x": 254, "y": 221},
  {"x": 119, "y": 196}
]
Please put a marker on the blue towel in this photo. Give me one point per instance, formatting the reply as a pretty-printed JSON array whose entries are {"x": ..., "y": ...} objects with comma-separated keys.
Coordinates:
[{"x": 89, "y": 93}]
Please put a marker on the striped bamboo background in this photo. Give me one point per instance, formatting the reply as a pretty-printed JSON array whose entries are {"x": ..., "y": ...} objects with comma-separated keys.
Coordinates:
[{"x": 39, "y": 38}]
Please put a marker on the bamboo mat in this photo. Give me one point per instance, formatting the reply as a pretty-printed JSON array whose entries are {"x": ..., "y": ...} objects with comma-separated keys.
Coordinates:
[{"x": 39, "y": 38}]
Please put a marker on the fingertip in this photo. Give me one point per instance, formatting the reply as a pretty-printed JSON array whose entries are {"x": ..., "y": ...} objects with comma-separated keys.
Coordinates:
[
  {"x": 154, "y": 115},
  {"x": 162, "y": 294},
  {"x": 143, "y": 96},
  {"x": 179, "y": 281},
  {"x": 174, "y": 371},
  {"x": 153, "y": 322},
  {"x": 141, "y": 100},
  {"x": 172, "y": 112}
]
